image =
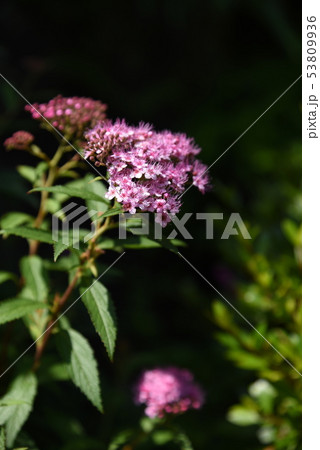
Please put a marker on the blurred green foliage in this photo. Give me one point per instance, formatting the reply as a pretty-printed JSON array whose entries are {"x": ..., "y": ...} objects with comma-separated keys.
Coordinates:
[
  {"x": 209, "y": 70},
  {"x": 272, "y": 300}
]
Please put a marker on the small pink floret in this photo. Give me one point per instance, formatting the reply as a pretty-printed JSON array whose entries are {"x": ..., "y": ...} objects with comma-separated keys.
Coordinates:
[
  {"x": 20, "y": 140},
  {"x": 168, "y": 390},
  {"x": 69, "y": 114}
]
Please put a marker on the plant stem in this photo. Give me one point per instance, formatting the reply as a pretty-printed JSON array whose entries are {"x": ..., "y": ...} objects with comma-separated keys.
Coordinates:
[
  {"x": 52, "y": 174},
  {"x": 59, "y": 302},
  {"x": 58, "y": 305}
]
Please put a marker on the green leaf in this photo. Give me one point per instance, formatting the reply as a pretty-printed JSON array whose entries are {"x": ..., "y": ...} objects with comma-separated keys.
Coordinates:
[
  {"x": 246, "y": 360},
  {"x": 100, "y": 308},
  {"x": 14, "y": 219},
  {"x": 33, "y": 273},
  {"x": 2, "y": 439},
  {"x": 161, "y": 437},
  {"x": 108, "y": 244},
  {"x": 29, "y": 233},
  {"x": 73, "y": 192},
  {"x": 23, "y": 391},
  {"x": 182, "y": 439},
  {"x": 148, "y": 424},
  {"x": 139, "y": 242},
  {"x": 28, "y": 172},
  {"x": 58, "y": 248},
  {"x": 133, "y": 242},
  {"x": 65, "y": 264},
  {"x": 41, "y": 168},
  {"x": 17, "y": 308},
  {"x": 52, "y": 205},
  {"x": 112, "y": 212},
  {"x": 96, "y": 187},
  {"x": 239, "y": 415},
  {"x": 121, "y": 438},
  {"x": 57, "y": 371},
  {"x": 6, "y": 276},
  {"x": 83, "y": 366},
  {"x": 143, "y": 242}
]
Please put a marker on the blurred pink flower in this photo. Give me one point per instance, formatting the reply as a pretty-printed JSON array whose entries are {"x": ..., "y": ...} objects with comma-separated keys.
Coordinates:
[
  {"x": 168, "y": 390},
  {"x": 147, "y": 170},
  {"x": 20, "y": 140},
  {"x": 70, "y": 115}
]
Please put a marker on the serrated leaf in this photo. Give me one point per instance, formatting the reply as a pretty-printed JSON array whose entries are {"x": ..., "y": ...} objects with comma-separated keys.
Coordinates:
[
  {"x": 73, "y": 192},
  {"x": 65, "y": 264},
  {"x": 29, "y": 233},
  {"x": 58, "y": 248},
  {"x": 2, "y": 439},
  {"x": 100, "y": 308},
  {"x": 17, "y": 308},
  {"x": 14, "y": 219},
  {"x": 33, "y": 273},
  {"x": 23, "y": 390},
  {"x": 82, "y": 364}
]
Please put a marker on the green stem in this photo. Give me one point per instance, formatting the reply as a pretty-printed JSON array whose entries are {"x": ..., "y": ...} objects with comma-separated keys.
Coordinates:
[
  {"x": 52, "y": 175},
  {"x": 88, "y": 259},
  {"x": 59, "y": 303}
]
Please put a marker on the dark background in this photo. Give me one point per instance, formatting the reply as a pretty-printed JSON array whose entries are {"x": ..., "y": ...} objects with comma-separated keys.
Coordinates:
[{"x": 206, "y": 68}]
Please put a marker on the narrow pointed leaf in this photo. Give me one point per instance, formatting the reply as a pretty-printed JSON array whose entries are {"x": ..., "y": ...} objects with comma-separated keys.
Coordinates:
[
  {"x": 112, "y": 212},
  {"x": 73, "y": 192},
  {"x": 82, "y": 365},
  {"x": 21, "y": 395},
  {"x": 33, "y": 273},
  {"x": 58, "y": 248},
  {"x": 29, "y": 233},
  {"x": 17, "y": 308},
  {"x": 2, "y": 439},
  {"x": 100, "y": 308},
  {"x": 14, "y": 219}
]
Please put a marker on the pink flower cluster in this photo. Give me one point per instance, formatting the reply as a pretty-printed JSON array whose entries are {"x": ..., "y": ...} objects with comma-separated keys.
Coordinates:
[
  {"x": 147, "y": 170},
  {"x": 168, "y": 390},
  {"x": 20, "y": 140},
  {"x": 70, "y": 115}
]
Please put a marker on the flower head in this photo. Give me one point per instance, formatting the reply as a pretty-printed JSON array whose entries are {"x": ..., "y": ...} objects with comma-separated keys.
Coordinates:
[
  {"x": 147, "y": 170},
  {"x": 168, "y": 390},
  {"x": 20, "y": 140},
  {"x": 70, "y": 115}
]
